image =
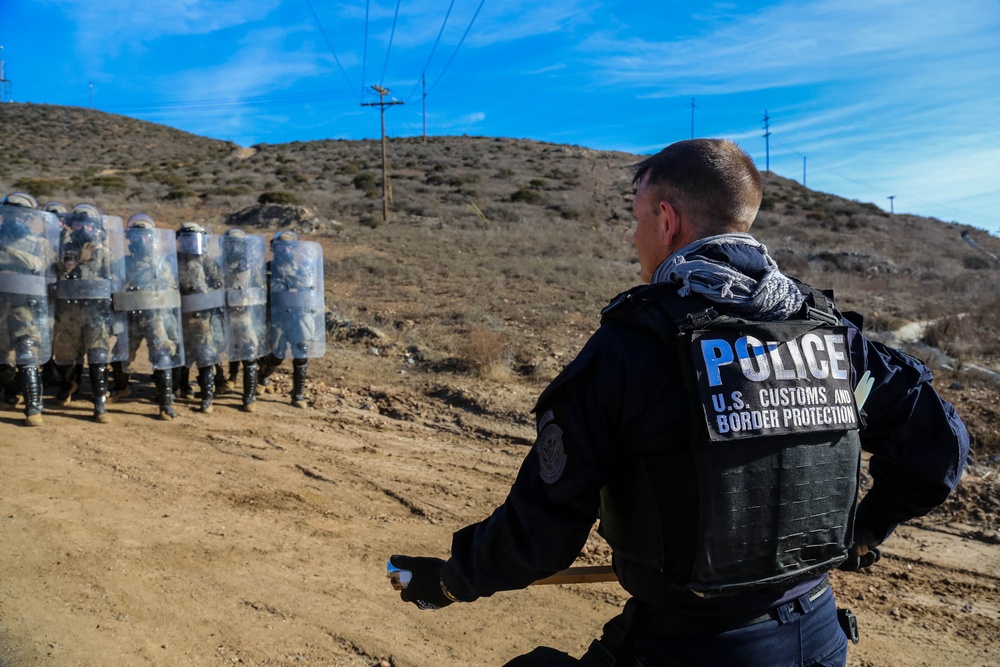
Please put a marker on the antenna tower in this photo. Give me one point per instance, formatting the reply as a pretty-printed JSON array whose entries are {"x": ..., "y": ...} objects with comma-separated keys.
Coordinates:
[
  {"x": 767, "y": 143},
  {"x": 5, "y": 95}
]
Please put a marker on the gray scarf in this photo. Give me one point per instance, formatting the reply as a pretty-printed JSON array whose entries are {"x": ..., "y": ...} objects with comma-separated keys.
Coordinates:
[{"x": 747, "y": 284}]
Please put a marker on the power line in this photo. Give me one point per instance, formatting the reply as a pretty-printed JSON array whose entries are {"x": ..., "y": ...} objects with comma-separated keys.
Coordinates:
[
  {"x": 436, "y": 42},
  {"x": 364, "y": 57},
  {"x": 455, "y": 52},
  {"x": 328, "y": 44},
  {"x": 392, "y": 34}
]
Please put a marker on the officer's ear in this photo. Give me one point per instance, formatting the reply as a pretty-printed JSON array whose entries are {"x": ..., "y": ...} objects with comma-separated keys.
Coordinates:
[{"x": 674, "y": 226}]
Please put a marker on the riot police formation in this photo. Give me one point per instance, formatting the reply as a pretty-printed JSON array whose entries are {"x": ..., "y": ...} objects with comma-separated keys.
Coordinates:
[
  {"x": 297, "y": 320},
  {"x": 89, "y": 269},
  {"x": 203, "y": 301},
  {"x": 245, "y": 277},
  {"x": 151, "y": 299},
  {"x": 26, "y": 241}
]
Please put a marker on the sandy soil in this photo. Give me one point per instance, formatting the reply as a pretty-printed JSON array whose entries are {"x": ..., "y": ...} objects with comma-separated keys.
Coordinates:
[{"x": 262, "y": 539}]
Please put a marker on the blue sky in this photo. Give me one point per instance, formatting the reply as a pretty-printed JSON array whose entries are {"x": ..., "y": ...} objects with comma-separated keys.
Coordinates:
[{"x": 878, "y": 98}]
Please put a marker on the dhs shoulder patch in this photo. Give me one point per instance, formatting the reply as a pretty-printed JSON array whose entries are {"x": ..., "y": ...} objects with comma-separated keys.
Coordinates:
[{"x": 551, "y": 455}]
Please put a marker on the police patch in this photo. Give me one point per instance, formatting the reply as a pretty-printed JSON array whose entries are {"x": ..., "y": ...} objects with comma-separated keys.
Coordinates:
[{"x": 551, "y": 457}]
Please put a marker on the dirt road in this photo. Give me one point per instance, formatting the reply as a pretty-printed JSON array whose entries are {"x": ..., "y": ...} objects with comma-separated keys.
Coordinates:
[{"x": 261, "y": 539}]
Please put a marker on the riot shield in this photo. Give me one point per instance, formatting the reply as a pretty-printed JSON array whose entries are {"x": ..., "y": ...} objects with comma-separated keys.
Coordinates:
[
  {"x": 90, "y": 268},
  {"x": 298, "y": 318},
  {"x": 203, "y": 301},
  {"x": 245, "y": 277},
  {"x": 28, "y": 239},
  {"x": 150, "y": 296}
]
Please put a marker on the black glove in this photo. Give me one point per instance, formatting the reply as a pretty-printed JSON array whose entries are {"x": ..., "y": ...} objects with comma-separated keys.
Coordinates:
[
  {"x": 856, "y": 561},
  {"x": 424, "y": 589}
]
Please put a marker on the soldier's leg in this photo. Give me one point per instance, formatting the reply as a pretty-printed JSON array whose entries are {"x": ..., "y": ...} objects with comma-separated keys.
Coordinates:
[
  {"x": 222, "y": 384},
  {"x": 69, "y": 374},
  {"x": 234, "y": 371},
  {"x": 182, "y": 380},
  {"x": 31, "y": 385},
  {"x": 266, "y": 365},
  {"x": 165, "y": 392},
  {"x": 299, "y": 367},
  {"x": 250, "y": 385},
  {"x": 120, "y": 378},
  {"x": 8, "y": 380},
  {"x": 206, "y": 381},
  {"x": 99, "y": 385}
]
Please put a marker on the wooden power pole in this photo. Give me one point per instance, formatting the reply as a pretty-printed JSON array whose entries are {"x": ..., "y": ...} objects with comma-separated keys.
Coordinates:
[{"x": 382, "y": 104}]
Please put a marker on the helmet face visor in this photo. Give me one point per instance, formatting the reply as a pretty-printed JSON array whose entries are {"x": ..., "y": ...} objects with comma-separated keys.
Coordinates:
[
  {"x": 191, "y": 243},
  {"x": 141, "y": 240}
]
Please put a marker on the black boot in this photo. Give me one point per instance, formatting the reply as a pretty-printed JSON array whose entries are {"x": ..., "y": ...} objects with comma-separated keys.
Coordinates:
[
  {"x": 99, "y": 385},
  {"x": 31, "y": 387},
  {"x": 120, "y": 378},
  {"x": 182, "y": 380},
  {"x": 165, "y": 393},
  {"x": 234, "y": 371},
  {"x": 206, "y": 381},
  {"x": 222, "y": 385},
  {"x": 299, "y": 367},
  {"x": 250, "y": 385}
]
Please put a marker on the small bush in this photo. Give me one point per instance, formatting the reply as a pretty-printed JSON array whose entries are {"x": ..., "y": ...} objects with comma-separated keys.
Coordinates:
[
  {"x": 527, "y": 196},
  {"x": 365, "y": 181},
  {"x": 39, "y": 187},
  {"x": 278, "y": 197},
  {"x": 179, "y": 194},
  {"x": 489, "y": 352}
]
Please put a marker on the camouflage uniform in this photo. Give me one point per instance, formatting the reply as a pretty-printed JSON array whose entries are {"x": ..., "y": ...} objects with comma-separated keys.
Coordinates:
[
  {"x": 297, "y": 327},
  {"x": 25, "y": 315},
  {"x": 89, "y": 270},
  {"x": 202, "y": 308},
  {"x": 152, "y": 301},
  {"x": 246, "y": 307}
]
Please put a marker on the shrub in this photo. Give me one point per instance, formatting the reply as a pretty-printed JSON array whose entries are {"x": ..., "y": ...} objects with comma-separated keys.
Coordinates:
[
  {"x": 489, "y": 352},
  {"x": 278, "y": 197},
  {"x": 527, "y": 196},
  {"x": 365, "y": 181},
  {"x": 40, "y": 187}
]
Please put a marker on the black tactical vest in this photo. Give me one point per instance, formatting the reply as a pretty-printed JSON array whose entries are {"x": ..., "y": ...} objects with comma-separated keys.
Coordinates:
[{"x": 765, "y": 491}]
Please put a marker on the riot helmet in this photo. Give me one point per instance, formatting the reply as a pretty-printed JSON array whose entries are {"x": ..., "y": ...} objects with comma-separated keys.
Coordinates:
[
  {"x": 55, "y": 207},
  {"x": 141, "y": 235},
  {"x": 143, "y": 220},
  {"x": 191, "y": 239},
  {"x": 22, "y": 199},
  {"x": 283, "y": 244}
]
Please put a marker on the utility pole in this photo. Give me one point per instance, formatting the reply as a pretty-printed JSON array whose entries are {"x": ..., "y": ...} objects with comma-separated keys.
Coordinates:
[
  {"x": 423, "y": 82},
  {"x": 692, "y": 117},
  {"x": 891, "y": 197},
  {"x": 767, "y": 143},
  {"x": 5, "y": 95},
  {"x": 382, "y": 104}
]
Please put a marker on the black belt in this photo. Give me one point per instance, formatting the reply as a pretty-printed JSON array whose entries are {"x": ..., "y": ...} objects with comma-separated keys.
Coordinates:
[{"x": 665, "y": 623}]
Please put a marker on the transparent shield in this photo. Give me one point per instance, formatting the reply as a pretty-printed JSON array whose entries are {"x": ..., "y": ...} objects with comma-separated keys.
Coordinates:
[
  {"x": 245, "y": 269},
  {"x": 298, "y": 318},
  {"x": 27, "y": 242},
  {"x": 203, "y": 302},
  {"x": 90, "y": 268},
  {"x": 150, "y": 297}
]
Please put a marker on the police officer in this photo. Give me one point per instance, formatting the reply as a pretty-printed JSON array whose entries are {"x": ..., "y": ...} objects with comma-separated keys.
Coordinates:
[
  {"x": 26, "y": 237},
  {"x": 203, "y": 300},
  {"x": 151, "y": 298},
  {"x": 712, "y": 424},
  {"x": 297, "y": 325},
  {"x": 245, "y": 277},
  {"x": 87, "y": 328}
]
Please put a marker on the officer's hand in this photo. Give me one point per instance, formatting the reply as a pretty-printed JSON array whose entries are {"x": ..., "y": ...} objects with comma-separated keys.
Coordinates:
[
  {"x": 860, "y": 557},
  {"x": 87, "y": 252},
  {"x": 424, "y": 589}
]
